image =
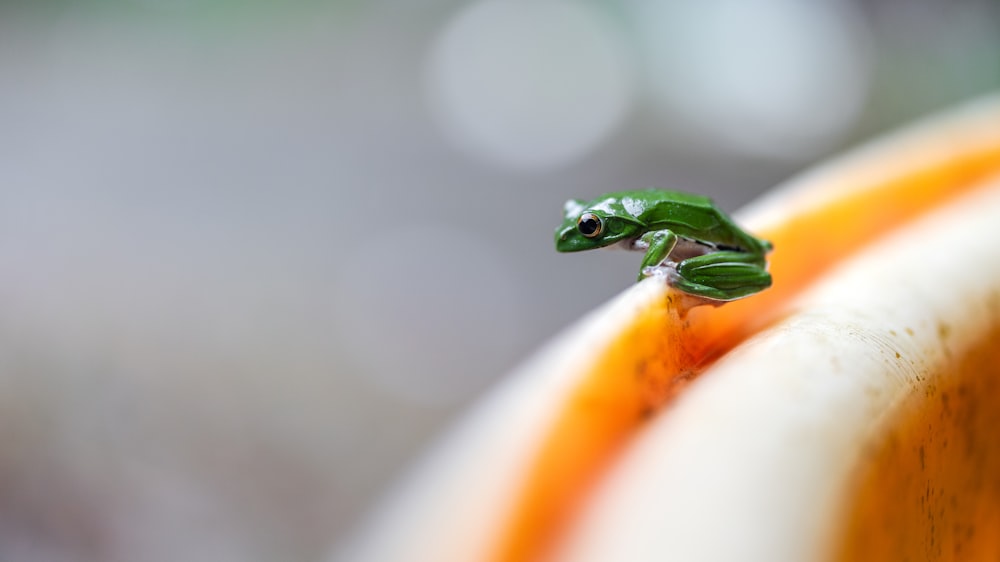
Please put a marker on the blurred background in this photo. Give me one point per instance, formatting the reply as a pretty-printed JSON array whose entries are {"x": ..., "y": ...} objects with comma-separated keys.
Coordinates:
[{"x": 255, "y": 256}]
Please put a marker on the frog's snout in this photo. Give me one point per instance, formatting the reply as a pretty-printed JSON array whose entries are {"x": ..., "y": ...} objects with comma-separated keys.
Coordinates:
[
  {"x": 560, "y": 239},
  {"x": 566, "y": 241}
]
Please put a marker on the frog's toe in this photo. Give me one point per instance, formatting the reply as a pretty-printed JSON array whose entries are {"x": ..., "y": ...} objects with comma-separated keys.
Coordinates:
[{"x": 667, "y": 272}]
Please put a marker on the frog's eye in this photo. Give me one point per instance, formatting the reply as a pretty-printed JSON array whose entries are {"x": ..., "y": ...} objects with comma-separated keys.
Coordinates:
[{"x": 589, "y": 225}]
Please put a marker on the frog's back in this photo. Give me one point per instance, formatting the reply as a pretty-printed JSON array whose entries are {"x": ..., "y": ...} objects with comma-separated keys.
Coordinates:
[
  {"x": 646, "y": 205},
  {"x": 686, "y": 214},
  {"x": 680, "y": 197}
]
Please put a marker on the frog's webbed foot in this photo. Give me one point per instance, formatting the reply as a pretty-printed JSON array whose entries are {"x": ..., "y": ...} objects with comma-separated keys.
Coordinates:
[{"x": 722, "y": 276}]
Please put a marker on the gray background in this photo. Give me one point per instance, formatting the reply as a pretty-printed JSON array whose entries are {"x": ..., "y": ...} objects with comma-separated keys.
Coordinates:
[{"x": 254, "y": 257}]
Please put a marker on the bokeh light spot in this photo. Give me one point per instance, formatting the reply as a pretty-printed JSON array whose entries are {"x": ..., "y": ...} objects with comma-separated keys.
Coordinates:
[
  {"x": 772, "y": 78},
  {"x": 529, "y": 84}
]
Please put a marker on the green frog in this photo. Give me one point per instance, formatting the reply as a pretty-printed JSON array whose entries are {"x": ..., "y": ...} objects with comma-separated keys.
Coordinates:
[{"x": 686, "y": 238}]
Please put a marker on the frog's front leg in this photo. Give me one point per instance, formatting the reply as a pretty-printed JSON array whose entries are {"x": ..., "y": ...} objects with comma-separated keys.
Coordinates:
[
  {"x": 659, "y": 244},
  {"x": 723, "y": 276}
]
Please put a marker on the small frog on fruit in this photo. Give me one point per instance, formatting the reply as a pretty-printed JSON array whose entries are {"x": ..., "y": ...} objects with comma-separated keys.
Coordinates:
[{"x": 686, "y": 237}]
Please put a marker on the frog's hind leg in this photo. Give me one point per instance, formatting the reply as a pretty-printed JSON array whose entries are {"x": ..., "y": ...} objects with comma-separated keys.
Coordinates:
[{"x": 722, "y": 276}]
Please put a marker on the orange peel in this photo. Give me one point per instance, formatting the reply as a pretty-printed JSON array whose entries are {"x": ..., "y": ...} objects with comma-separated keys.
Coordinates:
[{"x": 536, "y": 468}]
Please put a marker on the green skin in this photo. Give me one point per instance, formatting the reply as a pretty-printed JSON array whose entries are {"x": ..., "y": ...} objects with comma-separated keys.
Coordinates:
[{"x": 686, "y": 236}]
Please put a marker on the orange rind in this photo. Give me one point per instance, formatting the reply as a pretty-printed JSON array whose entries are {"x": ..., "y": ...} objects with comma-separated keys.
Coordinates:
[{"x": 770, "y": 428}]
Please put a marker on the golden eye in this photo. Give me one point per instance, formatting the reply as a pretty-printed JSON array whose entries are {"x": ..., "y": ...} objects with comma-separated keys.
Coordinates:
[{"x": 589, "y": 225}]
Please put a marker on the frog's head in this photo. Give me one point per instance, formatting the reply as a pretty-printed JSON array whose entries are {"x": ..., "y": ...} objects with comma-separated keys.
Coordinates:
[{"x": 585, "y": 228}]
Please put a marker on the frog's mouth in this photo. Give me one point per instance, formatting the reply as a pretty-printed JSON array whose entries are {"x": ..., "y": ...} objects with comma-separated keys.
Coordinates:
[{"x": 568, "y": 245}]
